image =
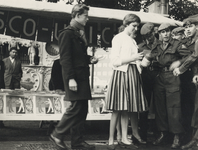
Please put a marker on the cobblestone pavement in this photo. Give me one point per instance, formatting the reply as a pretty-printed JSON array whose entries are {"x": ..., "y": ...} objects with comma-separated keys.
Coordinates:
[{"x": 28, "y": 135}]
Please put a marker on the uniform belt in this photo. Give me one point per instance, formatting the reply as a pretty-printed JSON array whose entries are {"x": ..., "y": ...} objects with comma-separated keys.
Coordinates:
[
  {"x": 165, "y": 69},
  {"x": 151, "y": 68}
]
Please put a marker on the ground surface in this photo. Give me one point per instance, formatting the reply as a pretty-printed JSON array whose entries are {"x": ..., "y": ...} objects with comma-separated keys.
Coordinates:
[{"x": 28, "y": 135}]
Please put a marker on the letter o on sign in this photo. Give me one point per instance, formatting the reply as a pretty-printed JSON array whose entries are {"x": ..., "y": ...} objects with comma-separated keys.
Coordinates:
[{"x": 25, "y": 27}]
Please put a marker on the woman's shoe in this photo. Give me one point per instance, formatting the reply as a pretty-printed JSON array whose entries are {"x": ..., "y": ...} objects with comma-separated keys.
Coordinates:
[
  {"x": 123, "y": 145},
  {"x": 119, "y": 141},
  {"x": 136, "y": 140},
  {"x": 111, "y": 147}
]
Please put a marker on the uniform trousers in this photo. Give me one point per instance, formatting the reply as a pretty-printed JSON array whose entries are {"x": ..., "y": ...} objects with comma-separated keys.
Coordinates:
[
  {"x": 148, "y": 79},
  {"x": 73, "y": 120},
  {"x": 187, "y": 98},
  {"x": 167, "y": 102}
]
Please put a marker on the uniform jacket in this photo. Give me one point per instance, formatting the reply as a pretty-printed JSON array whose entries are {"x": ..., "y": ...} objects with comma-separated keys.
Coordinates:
[
  {"x": 10, "y": 72},
  {"x": 2, "y": 85},
  {"x": 173, "y": 52},
  {"x": 145, "y": 48},
  {"x": 75, "y": 63},
  {"x": 192, "y": 60}
]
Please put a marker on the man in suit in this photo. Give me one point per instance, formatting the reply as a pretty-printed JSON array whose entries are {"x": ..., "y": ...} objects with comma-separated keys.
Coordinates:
[
  {"x": 13, "y": 70},
  {"x": 75, "y": 70}
]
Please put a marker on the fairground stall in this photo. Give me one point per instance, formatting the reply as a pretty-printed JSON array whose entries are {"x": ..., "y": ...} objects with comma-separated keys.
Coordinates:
[{"x": 27, "y": 21}]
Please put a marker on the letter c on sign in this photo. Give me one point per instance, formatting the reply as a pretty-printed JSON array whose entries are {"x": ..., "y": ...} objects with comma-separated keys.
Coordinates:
[
  {"x": 10, "y": 23},
  {"x": 103, "y": 35},
  {"x": 33, "y": 28}
]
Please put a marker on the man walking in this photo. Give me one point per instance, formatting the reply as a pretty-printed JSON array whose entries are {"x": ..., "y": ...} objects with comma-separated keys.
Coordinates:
[{"x": 75, "y": 70}]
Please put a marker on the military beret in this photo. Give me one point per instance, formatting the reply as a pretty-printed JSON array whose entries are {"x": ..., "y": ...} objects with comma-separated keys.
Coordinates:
[
  {"x": 190, "y": 20},
  {"x": 164, "y": 26},
  {"x": 147, "y": 28},
  {"x": 177, "y": 30}
]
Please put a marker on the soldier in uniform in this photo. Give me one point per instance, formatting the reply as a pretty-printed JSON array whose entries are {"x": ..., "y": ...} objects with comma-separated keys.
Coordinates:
[
  {"x": 148, "y": 74},
  {"x": 186, "y": 71},
  {"x": 178, "y": 33},
  {"x": 170, "y": 54}
]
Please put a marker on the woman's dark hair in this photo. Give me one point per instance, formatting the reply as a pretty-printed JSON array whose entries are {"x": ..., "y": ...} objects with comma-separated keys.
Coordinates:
[
  {"x": 130, "y": 18},
  {"x": 121, "y": 28},
  {"x": 79, "y": 9}
]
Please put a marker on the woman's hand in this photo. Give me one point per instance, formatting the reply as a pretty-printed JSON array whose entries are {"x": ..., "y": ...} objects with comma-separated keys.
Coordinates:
[
  {"x": 138, "y": 56},
  {"x": 95, "y": 59},
  {"x": 73, "y": 85}
]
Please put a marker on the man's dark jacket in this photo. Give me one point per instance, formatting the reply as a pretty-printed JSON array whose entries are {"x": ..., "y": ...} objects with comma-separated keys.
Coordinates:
[
  {"x": 75, "y": 64},
  {"x": 10, "y": 73}
]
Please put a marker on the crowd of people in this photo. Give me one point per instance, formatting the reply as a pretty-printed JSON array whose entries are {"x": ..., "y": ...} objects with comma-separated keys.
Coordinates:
[
  {"x": 164, "y": 73},
  {"x": 160, "y": 74}
]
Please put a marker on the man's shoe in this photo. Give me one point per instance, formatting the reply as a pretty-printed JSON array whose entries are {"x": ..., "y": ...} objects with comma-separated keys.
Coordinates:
[
  {"x": 189, "y": 145},
  {"x": 176, "y": 142},
  {"x": 59, "y": 143},
  {"x": 160, "y": 139},
  {"x": 83, "y": 146}
]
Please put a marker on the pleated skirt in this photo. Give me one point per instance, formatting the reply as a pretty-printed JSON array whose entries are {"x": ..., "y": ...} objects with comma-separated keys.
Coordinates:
[{"x": 125, "y": 91}]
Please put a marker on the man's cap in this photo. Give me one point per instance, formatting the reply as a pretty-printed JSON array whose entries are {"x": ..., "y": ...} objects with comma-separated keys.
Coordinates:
[
  {"x": 177, "y": 30},
  {"x": 164, "y": 26},
  {"x": 147, "y": 28},
  {"x": 190, "y": 20}
]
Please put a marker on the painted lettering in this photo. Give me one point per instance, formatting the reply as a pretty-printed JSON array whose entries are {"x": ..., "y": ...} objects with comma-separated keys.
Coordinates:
[
  {"x": 25, "y": 27},
  {"x": 10, "y": 24}
]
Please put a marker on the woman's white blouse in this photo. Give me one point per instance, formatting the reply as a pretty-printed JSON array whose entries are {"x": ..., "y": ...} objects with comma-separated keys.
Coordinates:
[{"x": 123, "y": 47}]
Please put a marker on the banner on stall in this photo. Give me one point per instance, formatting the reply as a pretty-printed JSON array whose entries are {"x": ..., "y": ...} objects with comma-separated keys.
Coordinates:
[
  {"x": 45, "y": 29},
  {"x": 28, "y": 106}
]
